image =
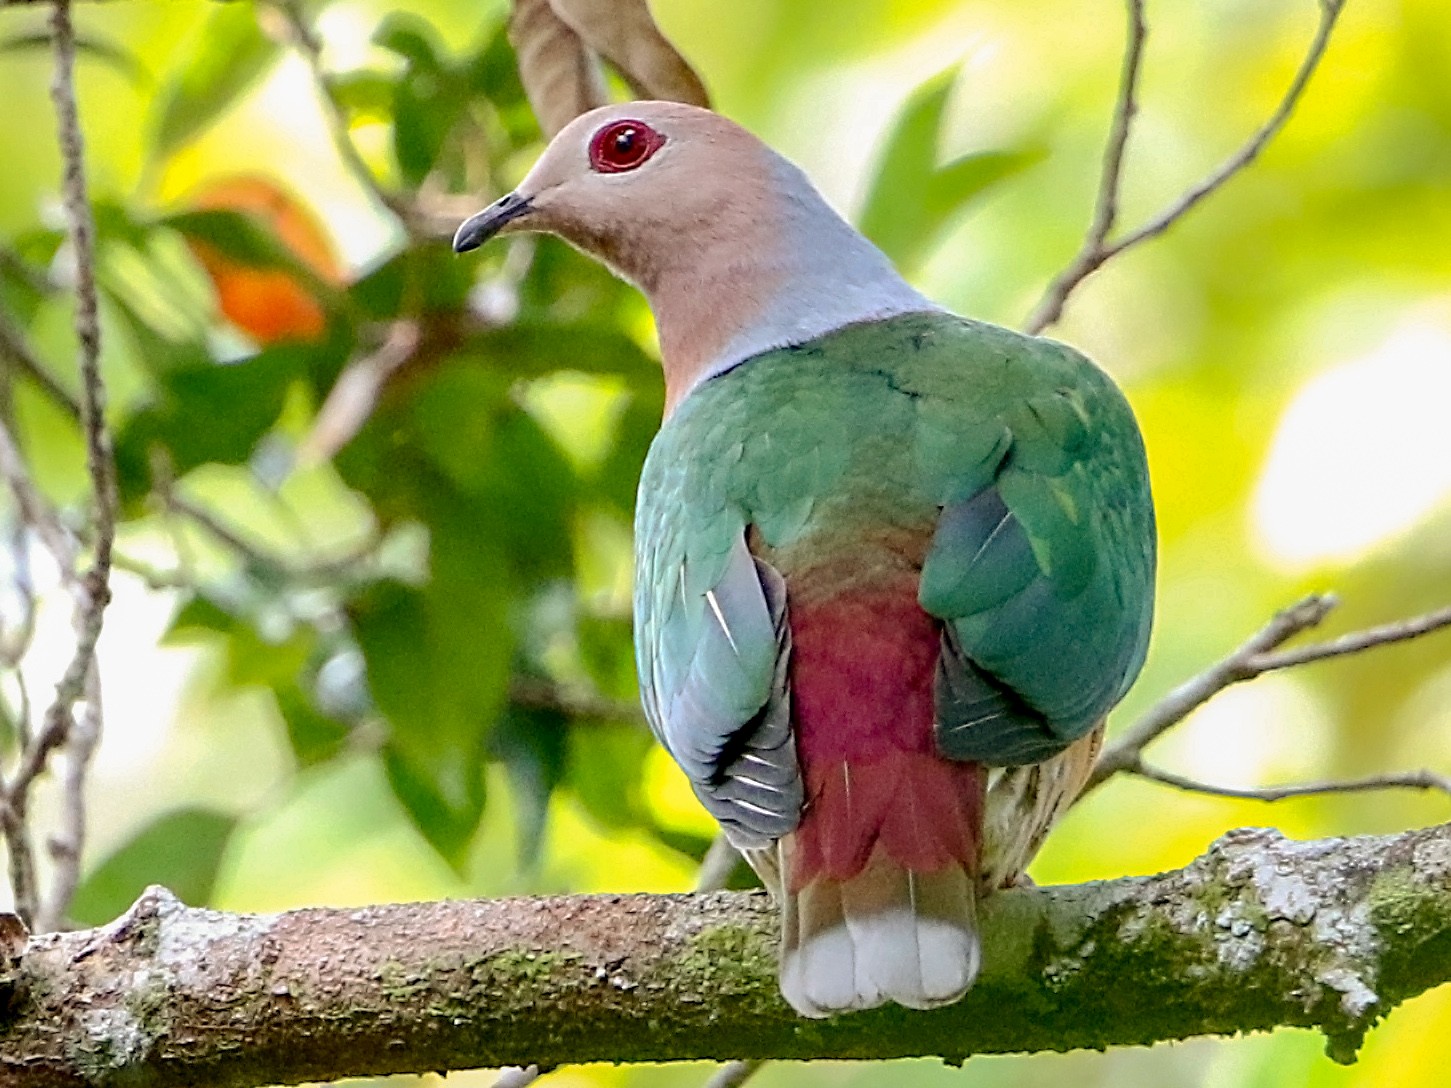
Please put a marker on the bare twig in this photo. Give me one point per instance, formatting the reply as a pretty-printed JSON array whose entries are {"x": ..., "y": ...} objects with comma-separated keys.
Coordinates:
[
  {"x": 1090, "y": 254},
  {"x": 1097, "y": 250},
  {"x": 537, "y": 694},
  {"x": 66, "y": 846},
  {"x": 519, "y": 1076},
  {"x": 309, "y": 45},
  {"x": 92, "y": 590},
  {"x": 1187, "y": 697},
  {"x": 20, "y": 857},
  {"x": 355, "y": 393},
  {"x": 716, "y": 867},
  {"x": 1255, "y": 658},
  {"x": 734, "y": 1074},
  {"x": 1407, "y": 780},
  {"x": 35, "y": 511},
  {"x": 16, "y": 351},
  {"x": 1356, "y": 641},
  {"x": 254, "y": 555}
]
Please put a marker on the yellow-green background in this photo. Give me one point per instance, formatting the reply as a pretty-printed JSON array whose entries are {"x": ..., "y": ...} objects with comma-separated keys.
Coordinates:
[{"x": 1320, "y": 279}]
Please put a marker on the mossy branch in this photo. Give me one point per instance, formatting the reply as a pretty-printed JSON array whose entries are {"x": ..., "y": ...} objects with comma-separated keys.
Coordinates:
[{"x": 1258, "y": 933}]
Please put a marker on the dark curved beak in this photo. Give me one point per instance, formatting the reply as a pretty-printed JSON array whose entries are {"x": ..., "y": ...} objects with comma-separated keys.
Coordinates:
[{"x": 478, "y": 229}]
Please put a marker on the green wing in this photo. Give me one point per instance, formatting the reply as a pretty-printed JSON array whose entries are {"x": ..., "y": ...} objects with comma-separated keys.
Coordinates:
[
  {"x": 712, "y": 646},
  {"x": 1042, "y": 563}
]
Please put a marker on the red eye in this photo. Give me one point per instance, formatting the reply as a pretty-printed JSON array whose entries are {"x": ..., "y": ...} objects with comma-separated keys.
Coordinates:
[{"x": 623, "y": 145}]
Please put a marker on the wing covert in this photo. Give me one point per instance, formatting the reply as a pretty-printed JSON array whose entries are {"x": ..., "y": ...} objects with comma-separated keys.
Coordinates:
[
  {"x": 1044, "y": 579},
  {"x": 713, "y": 646}
]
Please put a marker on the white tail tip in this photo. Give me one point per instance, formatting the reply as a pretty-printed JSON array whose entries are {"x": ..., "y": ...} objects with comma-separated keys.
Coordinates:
[{"x": 884, "y": 935}]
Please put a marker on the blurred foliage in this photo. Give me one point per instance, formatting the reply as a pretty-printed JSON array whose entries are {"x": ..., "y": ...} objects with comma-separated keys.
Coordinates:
[{"x": 404, "y": 670}]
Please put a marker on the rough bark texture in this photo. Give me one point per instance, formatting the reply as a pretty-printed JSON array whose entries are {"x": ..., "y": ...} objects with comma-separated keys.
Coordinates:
[{"x": 1257, "y": 933}]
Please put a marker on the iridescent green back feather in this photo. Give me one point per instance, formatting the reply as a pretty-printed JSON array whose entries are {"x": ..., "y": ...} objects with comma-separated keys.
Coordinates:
[{"x": 1014, "y": 456}]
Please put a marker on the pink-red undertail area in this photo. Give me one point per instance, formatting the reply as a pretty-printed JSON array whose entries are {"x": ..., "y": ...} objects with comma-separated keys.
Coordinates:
[{"x": 862, "y": 668}]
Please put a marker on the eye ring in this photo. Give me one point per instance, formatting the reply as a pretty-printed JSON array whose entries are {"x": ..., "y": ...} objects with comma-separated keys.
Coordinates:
[{"x": 623, "y": 145}]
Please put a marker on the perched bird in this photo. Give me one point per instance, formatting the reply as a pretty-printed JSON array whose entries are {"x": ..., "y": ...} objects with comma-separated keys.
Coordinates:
[{"x": 893, "y": 566}]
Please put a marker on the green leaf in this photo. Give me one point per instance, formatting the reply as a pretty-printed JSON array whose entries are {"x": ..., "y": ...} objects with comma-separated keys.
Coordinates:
[
  {"x": 427, "y": 101},
  {"x": 209, "y": 413},
  {"x": 529, "y": 349},
  {"x": 607, "y": 651},
  {"x": 228, "y": 57},
  {"x": 618, "y": 478},
  {"x": 411, "y": 38},
  {"x": 448, "y": 823},
  {"x": 606, "y": 764},
  {"x": 23, "y": 288},
  {"x": 531, "y": 744},
  {"x": 427, "y": 278},
  {"x": 364, "y": 92},
  {"x": 912, "y": 200},
  {"x": 315, "y": 737},
  {"x": 493, "y": 74},
  {"x": 200, "y": 615},
  {"x": 438, "y": 662},
  {"x": 499, "y": 456},
  {"x": 181, "y": 850}
]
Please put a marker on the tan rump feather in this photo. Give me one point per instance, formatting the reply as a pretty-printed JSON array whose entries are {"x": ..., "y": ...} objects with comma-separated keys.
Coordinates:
[{"x": 1024, "y": 803}]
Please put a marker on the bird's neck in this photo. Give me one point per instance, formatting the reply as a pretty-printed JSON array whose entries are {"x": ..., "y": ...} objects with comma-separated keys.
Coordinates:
[{"x": 767, "y": 274}]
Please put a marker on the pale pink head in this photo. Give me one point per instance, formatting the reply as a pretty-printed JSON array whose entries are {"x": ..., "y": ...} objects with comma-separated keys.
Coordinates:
[{"x": 735, "y": 249}]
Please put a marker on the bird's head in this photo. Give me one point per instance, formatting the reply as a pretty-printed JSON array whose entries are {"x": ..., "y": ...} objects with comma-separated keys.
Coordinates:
[
  {"x": 637, "y": 185},
  {"x": 735, "y": 249}
]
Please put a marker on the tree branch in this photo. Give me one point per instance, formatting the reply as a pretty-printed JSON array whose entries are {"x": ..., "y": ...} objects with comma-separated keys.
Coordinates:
[
  {"x": 1423, "y": 779},
  {"x": 1255, "y": 658},
  {"x": 79, "y": 680},
  {"x": 309, "y": 45},
  {"x": 1096, "y": 250},
  {"x": 1260, "y": 932},
  {"x": 1090, "y": 254}
]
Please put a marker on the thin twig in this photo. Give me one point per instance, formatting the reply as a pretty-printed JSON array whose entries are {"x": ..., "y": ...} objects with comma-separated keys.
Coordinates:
[
  {"x": 1329, "y": 12},
  {"x": 17, "y": 632},
  {"x": 716, "y": 867},
  {"x": 355, "y": 393},
  {"x": 66, "y": 846},
  {"x": 1094, "y": 255},
  {"x": 323, "y": 570},
  {"x": 1189, "y": 696},
  {"x": 1090, "y": 254},
  {"x": 534, "y": 693},
  {"x": 20, "y": 857},
  {"x": 153, "y": 577},
  {"x": 1255, "y": 658},
  {"x": 519, "y": 1076},
  {"x": 14, "y": 349},
  {"x": 1356, "y": 641},
  {"x": 1407, "y": 780},
  {"x": 35, "y": 511},
  {"x": 734, "y": 1074},
  {"x": 78, "y": 680},
  {"x": 309, "y": 45}
]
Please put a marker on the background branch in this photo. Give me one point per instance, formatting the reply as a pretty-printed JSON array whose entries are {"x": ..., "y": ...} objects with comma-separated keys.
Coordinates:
[
  {"x": 80, "y": 680},
  {"x": 1408, "y": 780},
  {"x": 1097, "y": 250},
  {"x": 1259, "y": 932},
  {"x": 1255, "y": 658}
]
